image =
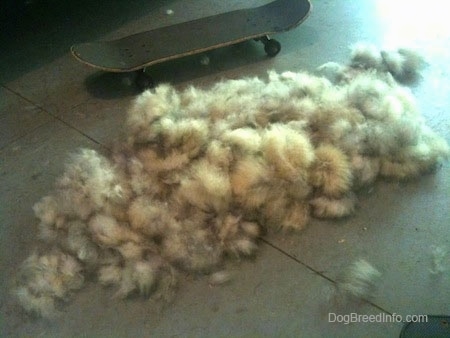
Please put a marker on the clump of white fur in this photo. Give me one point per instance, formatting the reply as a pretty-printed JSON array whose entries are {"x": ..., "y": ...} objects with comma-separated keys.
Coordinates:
[
  {"x": 358, "y": 281},
  {"x": 219, "y": 278},
  {"x": 439, "y": 260},
  {"x": 203, "y": 172}
]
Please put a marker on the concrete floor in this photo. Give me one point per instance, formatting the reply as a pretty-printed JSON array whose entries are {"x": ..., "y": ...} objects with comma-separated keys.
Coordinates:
[{"x": 50, "y": 105}]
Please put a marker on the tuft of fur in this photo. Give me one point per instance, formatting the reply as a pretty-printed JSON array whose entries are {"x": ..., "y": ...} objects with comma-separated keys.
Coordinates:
[
  {"x": 219, "y": 278},
  {"x": 109, "y": 233},
  {"x": 404, "y": 64},
  {"x": 148, "y": 108},
  {"x": 205, "y": 187},
  {"x": 439, "y": 260},
  {"x": 249, "y": 182},
  {"x": 333, "y": 71},
  {"x": 296, "y": 216},
  {"x": 192, "y": 249},
  {"x": 89, "y": 184},
  {"x": 80, "y": 244},
  {"x": 325, "y": 207},
  {"x": 288, "y": 151},
  {"x": 365, "y": 170},
  {"x": 148, "y": 276},
  {"x": 358, "y": 281},
  {"x": 137, "y": 276},
  {"x": 246, "y": 140},
  {"x": 43, "y": 280},
  {"x": 331, "y": 172},
  {"x": 238, "y": 238},
  {"x": 46, "y": 210},
  {"x": 148, "y": 216},
  {"x": 110, "y": 274},
  {"x": 365, "y": 56}
]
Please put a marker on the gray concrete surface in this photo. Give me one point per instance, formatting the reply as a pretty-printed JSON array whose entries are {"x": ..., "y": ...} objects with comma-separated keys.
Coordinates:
[{"x": 50, "y": 105}]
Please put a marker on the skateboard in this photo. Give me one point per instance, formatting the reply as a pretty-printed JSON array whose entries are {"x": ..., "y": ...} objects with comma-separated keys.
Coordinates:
[{"x": 139, "y": 51}]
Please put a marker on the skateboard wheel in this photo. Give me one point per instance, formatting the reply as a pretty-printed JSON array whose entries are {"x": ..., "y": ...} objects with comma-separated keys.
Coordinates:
[
  {"x": 272, "y": 47},
  {"x": 144, "y": 81}
]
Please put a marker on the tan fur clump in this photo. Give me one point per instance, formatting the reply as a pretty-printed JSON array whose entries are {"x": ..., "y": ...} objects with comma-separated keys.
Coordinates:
[
  {"x": 80, "y": 244},
  {"x": 365, "y": 170},
  {"x": 203, "y": 172},
  {"x": 188, "y": 135},
  {"x": 326, "y": 207},
  {"x": 136, "y": 275},
  {"x": 148, "y": 108},
  {"x": 288, "y": 151},
  {"x": 47, "y": 210},
  {"x": 90, "y": 183},
  {"x": 296, "y": 217},
  {"x": 238, "y": 238},
  {"x": 109, "y": 233},
  {"x": 154, "y": 162},
  {"x": 331, "y": 171},
  {"x": 141, "y": 276},
  {"x": 219, "y": 155},
  {"x": 412, "y": 161},
  {"x": 192, "y": 248},
  {"x": 149, "y": 217},
  {"x": 249, "y": 180},
  {"x": 47, "y": 279},
  {"x": 245, "y": 140},
  {"x": 205, "y": 187}
]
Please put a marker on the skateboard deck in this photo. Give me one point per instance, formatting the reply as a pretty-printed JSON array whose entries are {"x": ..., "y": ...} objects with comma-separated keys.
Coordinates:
[{"x": 144, "y": 49}]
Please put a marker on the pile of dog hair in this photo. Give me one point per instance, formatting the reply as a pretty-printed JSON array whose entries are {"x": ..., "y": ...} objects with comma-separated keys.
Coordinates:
[{"x": 203, "y": 172}]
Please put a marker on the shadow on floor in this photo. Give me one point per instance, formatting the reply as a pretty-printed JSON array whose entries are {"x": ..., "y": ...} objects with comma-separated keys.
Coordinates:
[{"x": 40, "y": 31}]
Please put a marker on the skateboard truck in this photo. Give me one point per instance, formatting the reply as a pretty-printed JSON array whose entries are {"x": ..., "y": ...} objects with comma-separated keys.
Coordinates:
[
  {"x": 271, "y": 46},
  {"x": 143, "y": 80}
]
